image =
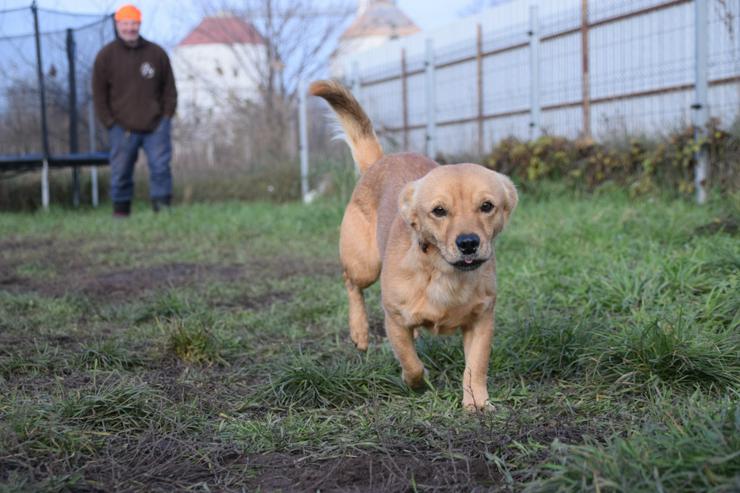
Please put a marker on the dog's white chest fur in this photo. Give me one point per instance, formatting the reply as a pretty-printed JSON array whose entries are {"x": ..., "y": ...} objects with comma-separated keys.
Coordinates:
[{"x": 444, "y": 302}]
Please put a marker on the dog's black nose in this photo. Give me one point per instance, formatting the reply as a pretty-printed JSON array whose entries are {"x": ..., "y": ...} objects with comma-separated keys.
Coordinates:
[{"x": 468, "y": 244}]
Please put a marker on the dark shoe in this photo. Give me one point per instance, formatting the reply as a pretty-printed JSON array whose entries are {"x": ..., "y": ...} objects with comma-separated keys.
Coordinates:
[
  {"x": 161, "y": 204},
  {"x": 121, "y": 209}
]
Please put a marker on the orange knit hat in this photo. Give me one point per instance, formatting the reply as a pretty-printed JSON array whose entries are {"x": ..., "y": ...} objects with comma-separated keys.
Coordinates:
[{"x": 128, "y": 13}]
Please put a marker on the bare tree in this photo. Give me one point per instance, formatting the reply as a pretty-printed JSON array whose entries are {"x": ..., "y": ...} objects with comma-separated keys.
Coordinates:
[
  {"x": 299, "y": 37},
  {"x": 295, "y": 39}
]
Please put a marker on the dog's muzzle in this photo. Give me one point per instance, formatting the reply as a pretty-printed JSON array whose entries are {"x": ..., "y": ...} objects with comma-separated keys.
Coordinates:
[
  {"x": 468, "y": 263},
  {"x": 467, "y": 245}
]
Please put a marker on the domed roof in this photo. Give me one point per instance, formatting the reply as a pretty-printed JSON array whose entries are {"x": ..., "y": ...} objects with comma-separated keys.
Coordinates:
[{"x": 380, "y": 18}]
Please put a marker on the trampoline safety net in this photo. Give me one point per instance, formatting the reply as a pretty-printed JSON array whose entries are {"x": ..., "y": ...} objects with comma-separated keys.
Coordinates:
[{"x": 68, "y": 44}]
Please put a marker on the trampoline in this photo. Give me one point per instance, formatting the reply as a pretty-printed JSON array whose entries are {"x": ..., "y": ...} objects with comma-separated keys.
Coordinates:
[{"x": 46, "y": 59}]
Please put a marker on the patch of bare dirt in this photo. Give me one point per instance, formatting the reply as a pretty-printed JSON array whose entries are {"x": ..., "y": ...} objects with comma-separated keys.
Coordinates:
[
  {"x": 372, "y": 473},
  {"x": 250, "y": 302},
  {"x": 25, "y": 244},
  {"x": 148, "y": 462},
  {"x": 125, "y": 282},
  {"x": 182, "y": 460},
  {"x": 74, "y": 273},
  {"x": 155, "y": 462}
]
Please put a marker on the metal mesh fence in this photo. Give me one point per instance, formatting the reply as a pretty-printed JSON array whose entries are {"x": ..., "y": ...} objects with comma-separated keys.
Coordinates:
[
  {"x": 68, "y": 45},
  {"x": 601, "y": 68}
]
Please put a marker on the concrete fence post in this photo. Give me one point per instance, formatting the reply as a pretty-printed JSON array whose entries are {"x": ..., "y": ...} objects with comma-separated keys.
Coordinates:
[
  {"x": 534, "y": 73},
  {"x": 404, "y": 100},
  {"x": 585, "y": 72},
  {"x": 303, "y": 139},
  {"x": 431, "y": 100},
  {"x": 701, "y": 95},
  {"x": 479, "y": 87},
  {"x": 45, "y": 184}
]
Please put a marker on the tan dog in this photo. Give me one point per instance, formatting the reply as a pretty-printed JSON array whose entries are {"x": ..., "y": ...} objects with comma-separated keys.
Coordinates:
[{"x": 431, "y": 228}]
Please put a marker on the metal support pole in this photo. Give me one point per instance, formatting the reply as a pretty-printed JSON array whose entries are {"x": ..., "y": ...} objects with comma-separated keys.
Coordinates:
[
  {"x": 303, "y": 140},
  {"x": 481, "y": 100},
  {"x": 701, "y": 99},
  {"x": 585, "y": 76},
  {"x": 45, "y": 184},
  {"x": 431, "y": 100},
  {"x": 404, "y": 100},
  {"x": 73, "y": 141},
  {"x": 736, "y": 54},
  {"x": 91, "y": 135},
  {"x": 534, "y": 71},
  {"x": 42, "y": 102}
]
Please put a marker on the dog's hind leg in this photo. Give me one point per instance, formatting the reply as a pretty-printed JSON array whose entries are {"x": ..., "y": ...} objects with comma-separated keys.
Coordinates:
[
  {"x": 358, "y": 322},
  {"x": 361, "y": 262}
]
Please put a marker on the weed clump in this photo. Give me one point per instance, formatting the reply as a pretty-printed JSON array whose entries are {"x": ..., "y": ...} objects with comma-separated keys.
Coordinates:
[
  {"x": 307, "y": 383},
  {"x": 115, "y": 407},
  {"x": 193, "y": 342}
]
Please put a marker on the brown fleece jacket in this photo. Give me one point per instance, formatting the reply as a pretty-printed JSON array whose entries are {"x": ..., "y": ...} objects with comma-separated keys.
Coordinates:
[{"x": 133, "y": 86}]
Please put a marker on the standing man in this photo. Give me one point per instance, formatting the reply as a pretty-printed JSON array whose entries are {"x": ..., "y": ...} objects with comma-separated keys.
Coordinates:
[{"x": 135, "y": 98}]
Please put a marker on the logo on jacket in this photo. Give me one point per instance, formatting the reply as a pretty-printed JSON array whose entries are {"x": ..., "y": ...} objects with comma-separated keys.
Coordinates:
[{"x": 147, "y": 71}]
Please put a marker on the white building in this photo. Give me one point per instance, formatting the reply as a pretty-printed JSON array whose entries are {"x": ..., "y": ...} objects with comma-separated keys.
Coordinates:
[
  {"x": 218, "y": 65},
  {"x": 376, "y": 23}
]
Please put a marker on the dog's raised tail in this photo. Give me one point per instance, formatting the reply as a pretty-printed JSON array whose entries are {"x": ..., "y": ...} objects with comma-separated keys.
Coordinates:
[{"x": 356, "y": 125}]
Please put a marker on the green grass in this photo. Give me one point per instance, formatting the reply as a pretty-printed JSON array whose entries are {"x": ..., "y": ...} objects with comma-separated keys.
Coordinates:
[
  {"x": 114, "y": 407},
  {"x": 107, "y": 355},
  {"x": 691, "y": 446},
  {"x": 304, "y": 383},
  {"x": 208, "y": 349},
  {"x": 193, "y": 341}
]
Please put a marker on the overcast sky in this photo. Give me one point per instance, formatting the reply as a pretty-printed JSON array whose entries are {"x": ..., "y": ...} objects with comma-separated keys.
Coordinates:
[{"x": 168, "y": 21}]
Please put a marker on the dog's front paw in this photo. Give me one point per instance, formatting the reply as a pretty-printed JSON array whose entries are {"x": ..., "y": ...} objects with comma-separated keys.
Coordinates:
[
  {"x": 416, "y": 380},
  {"x": 360, "y": 339},
  {"x": 361, "y": 343},
  {"x": 483, "y": 407}
]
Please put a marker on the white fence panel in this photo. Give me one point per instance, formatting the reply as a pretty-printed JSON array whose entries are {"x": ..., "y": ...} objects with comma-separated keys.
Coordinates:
[{"x": 639, "y": 70}]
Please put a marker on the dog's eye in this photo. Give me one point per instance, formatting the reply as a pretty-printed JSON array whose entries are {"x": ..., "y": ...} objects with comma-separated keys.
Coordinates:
[
  {"x": 439, "y": 211},
  {"x": 486, "y": 206}
]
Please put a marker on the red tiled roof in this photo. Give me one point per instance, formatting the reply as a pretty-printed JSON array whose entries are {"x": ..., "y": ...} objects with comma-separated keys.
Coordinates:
[{"x": 223, "y": 30}]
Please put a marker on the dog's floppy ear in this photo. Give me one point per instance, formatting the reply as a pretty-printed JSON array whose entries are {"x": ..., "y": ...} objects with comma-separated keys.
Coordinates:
[
  {"x": 511, "y": 196},
  {"x": 406, "y": 205}
]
